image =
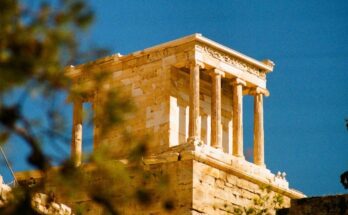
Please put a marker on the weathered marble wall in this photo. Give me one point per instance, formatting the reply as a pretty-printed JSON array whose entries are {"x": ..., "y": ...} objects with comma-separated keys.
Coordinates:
[
  {"x": 218, "y": 192},
  {"x": 145, "y": 79}
]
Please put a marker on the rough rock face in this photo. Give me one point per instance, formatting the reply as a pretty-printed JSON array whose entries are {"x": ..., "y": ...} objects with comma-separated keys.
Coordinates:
[
  {"x": 40, "y": 202},
  {"x": 5, "y": 193}
]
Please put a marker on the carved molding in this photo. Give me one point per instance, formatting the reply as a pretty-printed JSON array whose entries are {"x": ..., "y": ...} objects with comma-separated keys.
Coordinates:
[{"x": 230, "y": 60}]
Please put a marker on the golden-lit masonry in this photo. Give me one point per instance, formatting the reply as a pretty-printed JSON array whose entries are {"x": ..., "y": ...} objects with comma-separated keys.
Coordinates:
[{"x": 189, "y": 97}]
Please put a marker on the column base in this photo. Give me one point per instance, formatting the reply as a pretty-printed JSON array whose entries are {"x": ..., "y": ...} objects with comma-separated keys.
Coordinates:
[
  {"x": 261, "y": 165},
  {"x": 194, "y": 141},
  {"x": 217, "y": 147},
  {"x": 240, "y": 157}
]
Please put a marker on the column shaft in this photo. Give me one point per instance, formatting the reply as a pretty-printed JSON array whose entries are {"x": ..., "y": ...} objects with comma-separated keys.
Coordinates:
[
  {"x": 216, "y": 128},
  {"x": 76, "y": 145},
  {"x": 258, "y": 130},
  {"x": 237, "y": 104},
  {"x": 194, "y": 126},
  {"x": 97, "y": 105}
]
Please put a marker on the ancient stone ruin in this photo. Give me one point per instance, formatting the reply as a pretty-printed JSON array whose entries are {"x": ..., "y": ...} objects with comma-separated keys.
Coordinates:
[{"x": 189, "y": 97}]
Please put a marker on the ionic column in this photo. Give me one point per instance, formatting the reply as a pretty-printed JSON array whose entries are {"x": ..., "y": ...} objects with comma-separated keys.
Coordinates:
[
  {"x": 216, "y": 128},
  {"x": 237, "y": 106},
  {"x": 76, "y": 144},
  {"x": 194, "y": 126},
  {"x": 259, "y": 157},
  {"x": 96, "y": 119}
]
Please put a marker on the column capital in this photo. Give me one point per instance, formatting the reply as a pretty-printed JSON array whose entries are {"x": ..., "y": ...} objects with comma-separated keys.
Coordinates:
[
  {"x": 215, "y": 72},
  {"x": 193, "y": 63},
  {"x": 259, "y": 90},
  {"x": 238, "y": 81}
]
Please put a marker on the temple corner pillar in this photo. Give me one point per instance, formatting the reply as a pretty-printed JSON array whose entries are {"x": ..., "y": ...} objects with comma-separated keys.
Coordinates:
[{"x": 237, "y": 106}]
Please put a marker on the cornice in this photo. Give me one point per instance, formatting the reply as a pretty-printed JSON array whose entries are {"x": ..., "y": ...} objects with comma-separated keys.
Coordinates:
[{"x": 230, "y": 59}]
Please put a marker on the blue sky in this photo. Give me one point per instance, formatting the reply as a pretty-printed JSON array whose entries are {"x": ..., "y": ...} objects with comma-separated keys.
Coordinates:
[{"x": 305, "y": 134}]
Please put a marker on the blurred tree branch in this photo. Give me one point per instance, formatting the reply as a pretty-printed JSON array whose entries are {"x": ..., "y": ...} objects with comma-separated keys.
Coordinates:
[{"x": 38, "y": 39}]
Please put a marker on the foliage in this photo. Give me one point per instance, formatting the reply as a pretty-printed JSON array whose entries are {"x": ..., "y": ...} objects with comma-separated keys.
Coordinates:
[
  {"x": 264, "y": 204},
  {"x": 344, "y": 175},
  {"x": 37, "y": 42}
]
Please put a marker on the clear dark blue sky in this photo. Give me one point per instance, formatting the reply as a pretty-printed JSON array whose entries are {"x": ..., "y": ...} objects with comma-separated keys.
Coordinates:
[{"x": 305, "y": 134}]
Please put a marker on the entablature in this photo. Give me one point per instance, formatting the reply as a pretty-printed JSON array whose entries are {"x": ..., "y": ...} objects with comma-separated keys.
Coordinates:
[{"x": 187, "y": 49}]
